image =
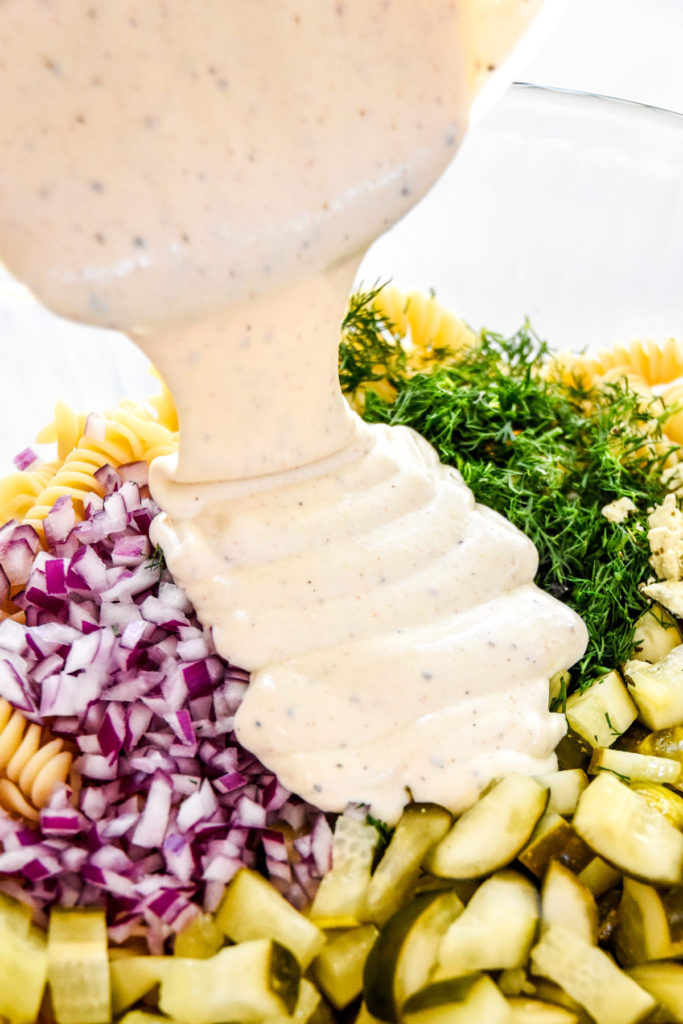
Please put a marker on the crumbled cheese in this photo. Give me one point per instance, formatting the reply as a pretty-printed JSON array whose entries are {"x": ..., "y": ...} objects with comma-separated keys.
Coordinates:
[
  {"x": 665, "y": 536},
  {"x": 669, "y": 595},
  {"x": 618, "y": 511}
]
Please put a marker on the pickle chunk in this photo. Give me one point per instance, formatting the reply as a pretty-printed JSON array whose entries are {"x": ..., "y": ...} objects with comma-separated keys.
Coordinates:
[
  {"x": 246, "y": 983},
  {"x": 492, "y": 832}
]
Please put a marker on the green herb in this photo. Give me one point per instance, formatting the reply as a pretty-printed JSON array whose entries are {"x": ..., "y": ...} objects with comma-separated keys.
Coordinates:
[
  {"x": 546, "y": 454},
  {"x": 157, "y": 560},
  {"x": 384, "y": 833}
]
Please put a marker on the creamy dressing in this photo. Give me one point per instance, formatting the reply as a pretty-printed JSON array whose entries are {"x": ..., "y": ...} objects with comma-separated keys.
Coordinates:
[{"x": 205, "y": 176}]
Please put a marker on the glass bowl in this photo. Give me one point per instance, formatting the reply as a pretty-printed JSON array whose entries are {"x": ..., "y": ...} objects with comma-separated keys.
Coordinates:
[{"x": 563, "y": 207}]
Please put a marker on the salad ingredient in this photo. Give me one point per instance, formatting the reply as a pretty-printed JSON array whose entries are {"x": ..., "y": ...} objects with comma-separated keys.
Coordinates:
[
  {"x": 492, "y": 831},
  {"x": 168, "y": 805},
  {"x": 619, "y": 824},
  {"x": 342, "y": 894},
  {"x": 566, "y": 901},
  {"x": 494, "y": 931},
  {"x": 657, "y": 689},
  {"x": 249, "y": 982},
  {"x": 591, "y": 977},
  {"x": 78, "y": 965},
  {"x": 601, "y": 712},
  {"x": 664, "y": 982},
  {"x": 419, "y": 829},
  {"x": 23, "y": 963},
  {"x": 543, "y": 449},
  {"x": 252, "y": 909},
  {"x": 635, "y": 767},
  {"x": 462, "y": 1001},
  {"x": 340, "y": 963}
]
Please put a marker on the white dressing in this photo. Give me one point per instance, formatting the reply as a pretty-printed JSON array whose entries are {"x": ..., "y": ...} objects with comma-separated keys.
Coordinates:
[{"x": 205, "y": 176}]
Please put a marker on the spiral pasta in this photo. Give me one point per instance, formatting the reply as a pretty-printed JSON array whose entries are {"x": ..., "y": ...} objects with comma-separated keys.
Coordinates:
[
  {"x": 643, "y": 359},
  {"x": 131, "y": 433},
  {"x": 30, "y": 768},
  {"x": 433, "y": 331}
]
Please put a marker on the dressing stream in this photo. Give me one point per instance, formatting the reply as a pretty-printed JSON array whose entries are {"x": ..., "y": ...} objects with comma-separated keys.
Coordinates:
[{"x": 206, "y": 176}]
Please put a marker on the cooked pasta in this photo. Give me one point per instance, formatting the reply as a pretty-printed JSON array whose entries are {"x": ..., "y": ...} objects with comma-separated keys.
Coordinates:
[
  {"x": 645, "y": 359},
  {"x": 30, "y": 766},
  {"x": 431, "y": 330},
  {"x": 85, "y": 443}
]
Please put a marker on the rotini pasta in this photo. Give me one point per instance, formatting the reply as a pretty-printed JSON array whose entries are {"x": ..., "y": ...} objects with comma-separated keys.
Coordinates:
[
  {"x": 644, "y": 359},
  {"x": 131, "y": 433},
  {"x": 431, "y": 330},
  {"x": 30, "y": 766}
]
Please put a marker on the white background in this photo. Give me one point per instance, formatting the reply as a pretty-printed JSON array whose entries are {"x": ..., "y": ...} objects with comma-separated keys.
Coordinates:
[{"x": 632, "y": 49}]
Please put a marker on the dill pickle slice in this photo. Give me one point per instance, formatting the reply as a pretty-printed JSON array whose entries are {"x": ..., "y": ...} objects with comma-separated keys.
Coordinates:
[
  {"x": 664, "y": 981},
  {"x": 78, "y": 965},
  {"x": 622, "y": 828},
  {"x": 253, "y": 909},
  {"x": 590, "y": 977},
  {"x": 567, "y": 902},
  {"x": 491, "y": 833},
  {"x": 338, "y": 967},
  {"x": 602, "y": 712},
  {"x": 341, "y": 895},
  {"x": 554, "y": 838},
  {"x": 420, "y": 827},
  {"x": 23, "y": 964},
  {"x": 411, "y": 937},
  {"x": 200, "y": 939},
  {"x": 132, "y": 977},
  {"x": 471, "y": 1000},
  {"x": 246, "y": 982},
  {"x": 495, "y": 930}
]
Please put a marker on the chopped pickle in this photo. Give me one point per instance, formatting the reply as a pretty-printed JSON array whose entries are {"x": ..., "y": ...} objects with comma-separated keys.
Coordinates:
[
  {"x": 201, "y": 938},
  {"x": 658, "y": 689},
  {"x": 23, "y": 963},
  {"x": 405, "y": 953},
  {"x": 633, "y": 767},
  {"x": 492, "y": 832},
  {"x": 494, "y": 931},
  {"x": 621, "y": 826},
  {"x": 341, "y": 896},
  {"x": 564, "y": 789},
  {"x": 656, "y": 633},
  {"x": 420, "y": 827},
  {"x": 78, "y": 965},
  {"x": 338, "y": 967},
  {"x": 471, "y": 1000},
  {"x": 602, "y": 712},
  {"x": 590, "y": 977},
  {"x": 253, "y": 909},
  {"x": 664, "y": 743},
  {"x": 664, "y": 982},
  {"x": 643, "y": 928},
  {"x": 554, "y": 838},
  {"x": 133, "y": 977},
  {"x": 569, "y": 903},
  {"x": 247, "y": 982}
]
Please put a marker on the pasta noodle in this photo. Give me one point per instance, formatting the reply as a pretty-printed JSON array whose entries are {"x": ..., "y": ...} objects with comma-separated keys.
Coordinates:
[
  {"x": 30, "y": 768},
  {"x": 645, "y": 359},
  {"x": 432, "y": 330},
  {"x": 131, "y": 433}
]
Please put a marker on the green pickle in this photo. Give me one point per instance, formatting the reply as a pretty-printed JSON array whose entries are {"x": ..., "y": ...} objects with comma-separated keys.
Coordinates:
[
  {"x": 78, "y": 966},
  {"x": 23, "y": 963}
]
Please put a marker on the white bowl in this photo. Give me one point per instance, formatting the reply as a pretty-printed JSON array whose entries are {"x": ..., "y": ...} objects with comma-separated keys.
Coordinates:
[{"x": 563, "y": 207}]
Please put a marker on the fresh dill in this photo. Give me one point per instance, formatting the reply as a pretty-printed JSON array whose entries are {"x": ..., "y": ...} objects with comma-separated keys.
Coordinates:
[
  {"x": 384, "y": 834},
  {"x": 157, "y": 562},
  {"x": 547, "y": 454}
]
